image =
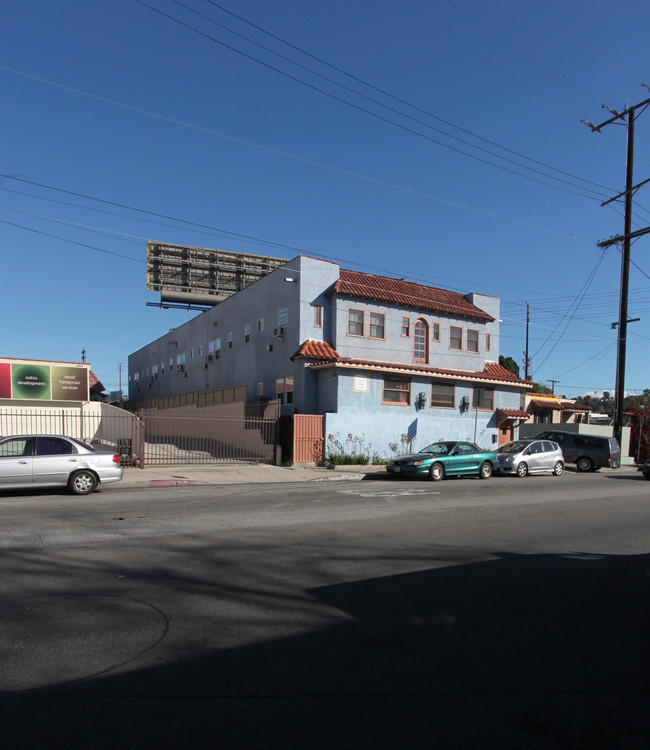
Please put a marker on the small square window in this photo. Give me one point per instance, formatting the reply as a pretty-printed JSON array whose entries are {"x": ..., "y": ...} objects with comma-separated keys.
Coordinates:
[{"x": 406, "y": 327}]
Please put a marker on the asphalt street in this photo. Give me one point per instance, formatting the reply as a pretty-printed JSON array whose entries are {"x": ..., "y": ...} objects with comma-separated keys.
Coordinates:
[{"x": 354, "y": 613}]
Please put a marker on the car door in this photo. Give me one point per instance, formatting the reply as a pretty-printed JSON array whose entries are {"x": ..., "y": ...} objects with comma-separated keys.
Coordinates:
[
  {"x": 535, "y": 458},
  {"x": 16, "y": 462},
  {"x": 54, "y": 460},
  {"x": 462, "y": 459}
]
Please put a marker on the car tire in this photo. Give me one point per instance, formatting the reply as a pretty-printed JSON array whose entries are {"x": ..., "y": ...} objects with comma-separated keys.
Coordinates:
[
  {"x": 437, "y": 472},
  {"x": 558, "y": 468},
  {"x": 485, "y": 472},
  {"x": 82, "y": 482},
  {"x": 584, "y": 463},
  {"x": 522, "y": 469}
]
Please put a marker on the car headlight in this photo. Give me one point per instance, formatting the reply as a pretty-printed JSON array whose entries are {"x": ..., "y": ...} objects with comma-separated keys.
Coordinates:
[{"x": 417, "y": 463}]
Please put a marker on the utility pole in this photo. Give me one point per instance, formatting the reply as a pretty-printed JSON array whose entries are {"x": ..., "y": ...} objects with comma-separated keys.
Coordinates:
[
  {"x": 526, "y": 354},
  {"x": 83, "y": 355},
  {"x": 553, "y": 382},
  {"x": 627, "y": 115}
]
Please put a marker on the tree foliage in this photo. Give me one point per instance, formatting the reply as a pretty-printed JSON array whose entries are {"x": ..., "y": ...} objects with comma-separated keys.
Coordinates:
[{"x": 510, "y": 364}]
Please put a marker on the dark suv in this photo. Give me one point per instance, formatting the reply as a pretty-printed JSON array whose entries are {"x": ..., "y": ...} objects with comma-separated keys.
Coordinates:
[{"x": 587, "y": 452}]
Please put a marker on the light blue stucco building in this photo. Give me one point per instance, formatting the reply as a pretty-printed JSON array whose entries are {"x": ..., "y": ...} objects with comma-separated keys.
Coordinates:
[{"x": 393, "y": 365}]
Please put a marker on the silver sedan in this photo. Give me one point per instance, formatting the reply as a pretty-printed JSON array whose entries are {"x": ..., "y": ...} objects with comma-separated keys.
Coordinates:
[
  {"x": 522, "y": 457},
  {"x": 32, "y": 461}
]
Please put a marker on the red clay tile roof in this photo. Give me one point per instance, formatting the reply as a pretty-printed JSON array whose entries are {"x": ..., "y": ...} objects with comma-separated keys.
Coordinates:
[
  {"x": 368, "y": 286},
  {"x": 513, "y": 413},
  {"x": 498, "y": 371},
  {"x": 493, "y": 373},
  {"x": 317, "y": 349},
  {"x": 94, "y": 383},
  {"x": 570, "y": 406}
]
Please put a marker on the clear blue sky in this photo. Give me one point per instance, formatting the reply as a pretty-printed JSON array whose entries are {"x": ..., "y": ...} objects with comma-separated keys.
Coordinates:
[{"x": 441, "y": 142}]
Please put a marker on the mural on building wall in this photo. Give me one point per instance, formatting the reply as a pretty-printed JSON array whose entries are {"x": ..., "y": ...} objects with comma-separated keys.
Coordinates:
[{"x": 38, "y": 382}]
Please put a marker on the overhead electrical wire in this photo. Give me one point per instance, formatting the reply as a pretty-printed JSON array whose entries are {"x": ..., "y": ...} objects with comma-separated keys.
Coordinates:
[
  {"x": 369, "y": 112},
  {"x": 383, "y": 92}
]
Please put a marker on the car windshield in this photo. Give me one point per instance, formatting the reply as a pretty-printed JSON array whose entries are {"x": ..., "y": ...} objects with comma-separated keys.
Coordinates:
[
  {"x": 514, "y": 447},
  {"x": 440, "y": 449}
]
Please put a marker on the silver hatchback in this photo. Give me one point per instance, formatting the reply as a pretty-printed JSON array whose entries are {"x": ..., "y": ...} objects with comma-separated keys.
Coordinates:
[
  {"x": 33, "y": 461},
  {"x": 522, "y": 457}
]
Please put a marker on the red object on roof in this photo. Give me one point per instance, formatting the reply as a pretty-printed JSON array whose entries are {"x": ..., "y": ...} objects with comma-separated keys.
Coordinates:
[
  {"x": 368, "y": 286},
  {"x": 317, "y": 349},
  {"x": 94, "y": 383},
  {"x": 512, "y": 413}
]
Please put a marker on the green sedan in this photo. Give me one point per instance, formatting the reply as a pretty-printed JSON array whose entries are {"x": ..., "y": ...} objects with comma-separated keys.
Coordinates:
[{"x": 446, "y": 458}]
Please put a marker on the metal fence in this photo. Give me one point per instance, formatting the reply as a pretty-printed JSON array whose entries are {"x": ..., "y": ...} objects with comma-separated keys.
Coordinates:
[
  {"x": 192, "y": 439},
  {"x": 155, "y": 439}
]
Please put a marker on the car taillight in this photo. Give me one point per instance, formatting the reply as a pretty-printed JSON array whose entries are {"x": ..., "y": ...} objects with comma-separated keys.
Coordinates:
[{"x": 116, "y": 458}]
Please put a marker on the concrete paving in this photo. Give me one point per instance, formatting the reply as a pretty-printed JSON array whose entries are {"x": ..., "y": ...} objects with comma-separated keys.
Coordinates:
[{"x": 197, "y": 474}]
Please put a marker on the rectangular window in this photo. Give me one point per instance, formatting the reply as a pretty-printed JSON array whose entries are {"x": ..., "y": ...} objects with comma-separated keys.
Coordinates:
[
  {"x": 217, "y": 348},
  {"x": 247, "y": 333},
  {"x": 443, "y": 395},
  {"x": 279, "y": 389},
  {"x": 377, "y": 323},
  {"x": 356, "y": 319},
  {"x": 288, "y": 390},
  {"x": 472, "y": 340},
  {"x": 435, "y": 331},
  {"x": 283, "y": 317},
  {"x": 456, "y": 337},
  {"x": 396, "y": 391},
  {"x": 318, "y": 316},
  {"x": 260, "y": 325},
  {"x": 210, "y": 347},
  {"x": 483, "y": 398},
  {"x": 487, "y": 342},
  {"x": 406, "y": 327},
  {"x": 200, "y": 351},
  {"x": 230, "y": 340},
  {"x": 260, "y": 389}
]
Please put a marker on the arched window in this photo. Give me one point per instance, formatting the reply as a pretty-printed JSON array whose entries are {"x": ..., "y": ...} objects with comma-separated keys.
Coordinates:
[{"x": 421, "y": 341}]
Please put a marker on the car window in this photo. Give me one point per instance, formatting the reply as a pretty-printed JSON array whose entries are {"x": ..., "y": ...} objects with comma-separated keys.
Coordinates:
[
  {"x": 463, "y": 449},
  {"x": 537, "y": 448},
  {"x": 548, "y": 447},
  {"x": 512, "y": 447},
  {"x": 15, "y": 447},
  {"x": 440, "y": 448},
  {"x": 52, "y": 446}
]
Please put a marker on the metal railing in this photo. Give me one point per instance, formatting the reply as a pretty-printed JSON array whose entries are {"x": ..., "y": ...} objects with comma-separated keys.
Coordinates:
[{"x": 154, "y": 439}]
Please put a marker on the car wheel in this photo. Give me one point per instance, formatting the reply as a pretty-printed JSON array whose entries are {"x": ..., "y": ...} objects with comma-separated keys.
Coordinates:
[
  {"x": 485, "y": 472},
  {"x": 585, "y": 464},
  {"x": 522, "y": 469},
  {"x": 558, "y": 468},
  {"x": 437, "y": 472},
  {"x": 82, "y": 482}
]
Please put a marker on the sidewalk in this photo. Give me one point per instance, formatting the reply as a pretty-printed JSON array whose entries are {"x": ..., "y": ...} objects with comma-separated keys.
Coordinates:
[{"x": 185, "y": 475}]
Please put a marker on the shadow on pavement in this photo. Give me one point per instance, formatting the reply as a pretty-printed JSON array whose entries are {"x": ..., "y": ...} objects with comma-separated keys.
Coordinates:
[{"x": 537, "y": 651}]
